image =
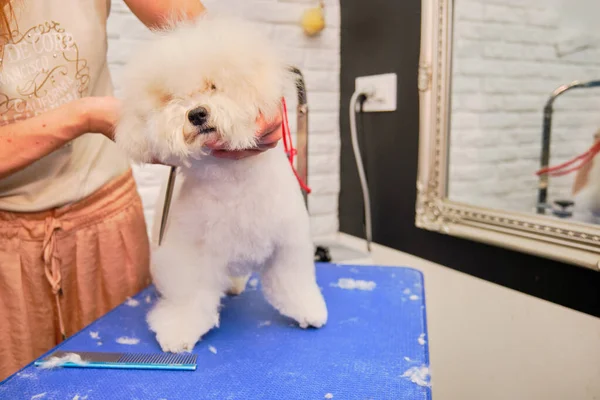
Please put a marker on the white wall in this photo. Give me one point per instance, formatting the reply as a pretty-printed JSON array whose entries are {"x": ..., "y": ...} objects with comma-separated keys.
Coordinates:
[
  {"x": 505, "y": 66},
  {"x": 317, "y": 57}
]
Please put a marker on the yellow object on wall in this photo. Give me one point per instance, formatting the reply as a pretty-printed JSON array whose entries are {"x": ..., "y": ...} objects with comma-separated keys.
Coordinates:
[{"x": 313, "y": 20}]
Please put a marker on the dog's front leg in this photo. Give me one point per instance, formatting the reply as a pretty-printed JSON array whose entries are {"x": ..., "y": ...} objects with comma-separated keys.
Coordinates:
[
  {"x": 289, "y": 284},
  {"x": 191, "y": 289}
]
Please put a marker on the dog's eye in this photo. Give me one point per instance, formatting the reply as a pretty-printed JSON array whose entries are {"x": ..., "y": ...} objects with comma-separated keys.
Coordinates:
[{"x": 213, "y": 87}]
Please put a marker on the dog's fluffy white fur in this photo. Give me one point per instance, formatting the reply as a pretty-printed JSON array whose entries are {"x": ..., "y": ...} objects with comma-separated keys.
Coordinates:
[
  {"x": 228, "y": 218},
  {"x": 587, "y": 200}
]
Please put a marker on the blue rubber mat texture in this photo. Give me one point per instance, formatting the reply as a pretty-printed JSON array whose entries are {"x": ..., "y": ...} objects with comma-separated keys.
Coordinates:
[{"x": 370, "y": 341}]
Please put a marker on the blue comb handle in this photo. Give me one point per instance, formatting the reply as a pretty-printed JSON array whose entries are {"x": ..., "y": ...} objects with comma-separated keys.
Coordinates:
[{"x": 164, "y": 361}]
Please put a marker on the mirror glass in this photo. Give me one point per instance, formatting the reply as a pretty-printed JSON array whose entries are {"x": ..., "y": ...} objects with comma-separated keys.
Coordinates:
[{"x": 525, "y": 93}]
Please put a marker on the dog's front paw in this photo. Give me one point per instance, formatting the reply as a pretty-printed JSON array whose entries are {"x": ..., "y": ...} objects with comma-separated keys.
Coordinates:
[
  {"x": 308, "y": 307},
  {"x": 175, "y": 342},
  {"x": 313, "y": 313},
  {"x": 178, "y": 328}
]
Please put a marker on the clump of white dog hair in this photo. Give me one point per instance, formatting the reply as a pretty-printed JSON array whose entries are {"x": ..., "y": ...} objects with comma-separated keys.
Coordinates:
[
  {"x": 421, "y": 339},
  {"x": 96, "y": 336},
  {"x": 127, "y": 340},
  {"x": 132, "y": 302},
  {"x": 352, "y": 284},
  {"x": 27, "y": 375},
  {"x": 329, "y": 396},
  {"x": 418, "y": 375},
  {"x": 55, "y": 362}
]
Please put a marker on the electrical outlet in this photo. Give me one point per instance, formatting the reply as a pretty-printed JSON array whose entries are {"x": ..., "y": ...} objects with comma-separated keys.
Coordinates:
[{"x": 381, "y": 92}]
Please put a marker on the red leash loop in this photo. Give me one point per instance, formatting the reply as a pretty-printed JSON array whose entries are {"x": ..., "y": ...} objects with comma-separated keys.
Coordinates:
[
  {"x": 289, "y": 147},
  {"x": 559, "y": 170}
]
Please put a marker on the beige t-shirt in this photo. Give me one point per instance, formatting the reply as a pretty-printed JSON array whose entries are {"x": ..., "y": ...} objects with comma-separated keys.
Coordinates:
[{"x": 58, "y": 54}]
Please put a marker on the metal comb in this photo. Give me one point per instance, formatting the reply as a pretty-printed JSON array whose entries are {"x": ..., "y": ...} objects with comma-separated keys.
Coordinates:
[
  {"x": 165, "y": 361},
  {"x": 167, "y": 203}
]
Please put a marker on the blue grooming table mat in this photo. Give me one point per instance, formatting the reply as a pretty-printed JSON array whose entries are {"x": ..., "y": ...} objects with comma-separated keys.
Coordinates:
[{"x": 372, "y": 342}]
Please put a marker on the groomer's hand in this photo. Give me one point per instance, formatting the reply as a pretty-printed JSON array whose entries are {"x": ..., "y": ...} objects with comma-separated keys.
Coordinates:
[
  {"x": 269, "y": 133},
  {"x": 102, "y": 114}
]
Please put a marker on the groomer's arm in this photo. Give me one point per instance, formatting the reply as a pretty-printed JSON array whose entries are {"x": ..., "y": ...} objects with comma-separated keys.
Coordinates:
[
  {"x": 153, "y": 12},
  {"x": 24, "y": 142}
]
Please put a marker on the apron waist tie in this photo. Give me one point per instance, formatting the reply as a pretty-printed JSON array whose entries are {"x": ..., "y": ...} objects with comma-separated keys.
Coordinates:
[{"x": 52, "y": 266}]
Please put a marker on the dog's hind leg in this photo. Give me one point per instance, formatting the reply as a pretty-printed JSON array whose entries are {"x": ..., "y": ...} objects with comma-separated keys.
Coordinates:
[
  {"x": 191, "y": 287},
  {"x": 238, "y": 285},
  {"x": 289, "y": 284}
]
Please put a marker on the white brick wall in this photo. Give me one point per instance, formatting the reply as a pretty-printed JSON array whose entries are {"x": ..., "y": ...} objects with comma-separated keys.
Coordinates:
[
  {"x": 504, "y": 68},
  {"x": 317, "y": 57}
]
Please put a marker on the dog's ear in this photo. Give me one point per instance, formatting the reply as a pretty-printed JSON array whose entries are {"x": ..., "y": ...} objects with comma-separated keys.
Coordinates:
[
  {"x": 278, "y": 83},
  {"x": 131, "y": 138},
  {"x": 290, "y": 79}
]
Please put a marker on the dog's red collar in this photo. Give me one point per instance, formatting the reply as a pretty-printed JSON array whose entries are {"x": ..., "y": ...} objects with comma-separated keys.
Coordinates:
[{"x": 289, "y": 146}]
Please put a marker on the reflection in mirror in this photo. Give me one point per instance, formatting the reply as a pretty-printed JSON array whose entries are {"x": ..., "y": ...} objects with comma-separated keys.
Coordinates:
[{"x": 512, "y": 115}]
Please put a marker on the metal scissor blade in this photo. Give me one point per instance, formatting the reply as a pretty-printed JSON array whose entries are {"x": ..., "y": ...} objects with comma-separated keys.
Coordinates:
[{"x": 167, "y": 203}]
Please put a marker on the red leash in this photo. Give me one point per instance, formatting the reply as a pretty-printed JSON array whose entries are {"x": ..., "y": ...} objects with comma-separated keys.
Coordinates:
[
  {"x": 289, "y": 147},
  {"x": 584, "y": 158}
]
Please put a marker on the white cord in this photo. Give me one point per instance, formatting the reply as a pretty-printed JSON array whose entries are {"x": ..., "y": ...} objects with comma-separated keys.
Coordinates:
[{"x": 361, "y": 169}]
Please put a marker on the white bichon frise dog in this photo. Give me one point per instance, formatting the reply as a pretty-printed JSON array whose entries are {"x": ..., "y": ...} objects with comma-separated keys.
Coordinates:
[{"x": 204, "y": 81}]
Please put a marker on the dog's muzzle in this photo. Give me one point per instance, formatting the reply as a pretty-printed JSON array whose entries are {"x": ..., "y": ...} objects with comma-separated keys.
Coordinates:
[{"x": 199, "y": 118}]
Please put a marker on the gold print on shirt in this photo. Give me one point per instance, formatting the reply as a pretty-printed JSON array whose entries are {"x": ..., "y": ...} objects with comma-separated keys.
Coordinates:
[{"x": 40, "y": 70}]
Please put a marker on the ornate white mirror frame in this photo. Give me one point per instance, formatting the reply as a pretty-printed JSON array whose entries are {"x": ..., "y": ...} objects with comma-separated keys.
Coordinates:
[{"x": 569, "y": 242}]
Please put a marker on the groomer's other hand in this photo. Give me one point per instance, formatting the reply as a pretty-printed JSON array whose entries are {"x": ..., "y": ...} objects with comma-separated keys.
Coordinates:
[{"x": 269, "y": 133}]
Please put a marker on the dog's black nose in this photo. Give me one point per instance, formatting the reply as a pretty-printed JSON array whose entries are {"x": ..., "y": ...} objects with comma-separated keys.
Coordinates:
[{"x": 198, "y": 116}]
